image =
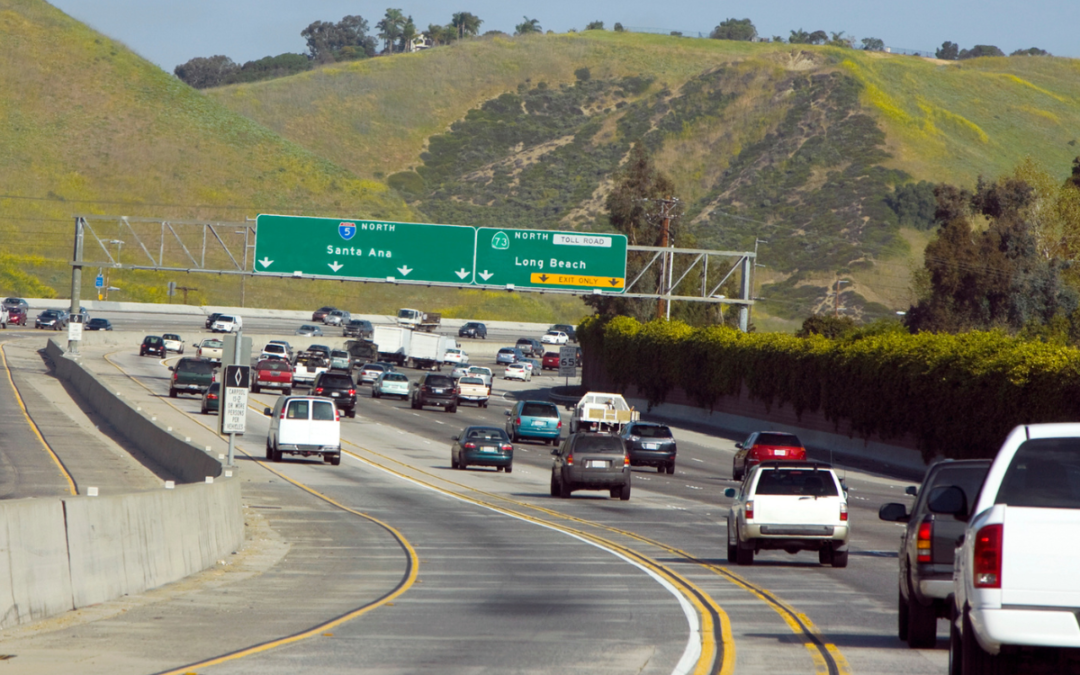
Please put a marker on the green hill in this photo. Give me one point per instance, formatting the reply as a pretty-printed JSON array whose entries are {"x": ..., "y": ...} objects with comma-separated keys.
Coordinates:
[{"x": 796, "y": 145}]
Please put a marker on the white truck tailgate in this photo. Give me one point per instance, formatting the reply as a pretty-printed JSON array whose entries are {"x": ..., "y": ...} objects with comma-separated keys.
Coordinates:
[
  {"x": 1040, "y": 557},
  {"x": 796, "y": 510}
]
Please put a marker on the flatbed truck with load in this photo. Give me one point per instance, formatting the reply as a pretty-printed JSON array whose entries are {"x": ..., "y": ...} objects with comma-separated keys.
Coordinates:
[
  {"x": 598, "y": 411},
  {"x": 417, "y": 320}
]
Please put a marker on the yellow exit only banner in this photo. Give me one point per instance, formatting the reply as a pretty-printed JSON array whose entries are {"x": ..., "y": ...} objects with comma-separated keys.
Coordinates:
[{"x": 576, "y": 280}]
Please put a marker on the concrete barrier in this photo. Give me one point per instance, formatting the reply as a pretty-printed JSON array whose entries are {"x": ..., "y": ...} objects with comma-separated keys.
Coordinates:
[
  {"x": 184, "y": 461},
  {"x": 63, "y": 554}
]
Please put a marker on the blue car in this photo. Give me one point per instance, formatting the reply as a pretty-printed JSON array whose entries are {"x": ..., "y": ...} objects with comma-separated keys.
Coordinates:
[
  {"x": 537, "y": 420},
  {"x": 508, "y": 355}
]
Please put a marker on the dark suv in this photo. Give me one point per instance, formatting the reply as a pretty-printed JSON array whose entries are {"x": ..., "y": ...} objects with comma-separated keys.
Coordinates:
[
  {"x": 591, "y": 461},
  {"x": 360, "y": 328},
  {"x": 473, "y": 329},
  {"x": 530, "y": 347},
  {"x": 338, "y": 386},
  {"x": 212, "y": 318},
  {"x": 152, "y": 344},
  {"x": 927, "y": 547},
  {"x": 435, "y": 389},
  {"x": 650, "y": 444}
]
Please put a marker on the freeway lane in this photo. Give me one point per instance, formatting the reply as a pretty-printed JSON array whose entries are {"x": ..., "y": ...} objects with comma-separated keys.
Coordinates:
[{"x": 853, "y": 608}]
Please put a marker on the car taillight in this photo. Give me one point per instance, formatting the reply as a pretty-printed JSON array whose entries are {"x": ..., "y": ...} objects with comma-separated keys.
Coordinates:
[
  {"x": 212, "y": 397},
  {"x": 352, "y": 392},
  {"x": 570, "y": 459},
  {"x": 987, "y": 562},
  {"x": 518, "y": 422},
  {"x": 337, "y": 415},
  {"x": 749, "y": 510},
  {"x": 174, "y": 376},
  {"x": 559, "y": 426},
  {"x": 506, "y": 446},
  {"x": 470, "y": 446},
  {"x": 843, "y": 512},
  {"x": 283, "y": 412},
  {"x": 923, "y": 540},
  {"x": 626, "y": 460},
  {"x": 318, "y": 390}
]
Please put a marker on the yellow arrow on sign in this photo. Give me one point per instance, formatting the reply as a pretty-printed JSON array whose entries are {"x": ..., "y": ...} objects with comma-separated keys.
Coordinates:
[{"x": 576, "y": 280}]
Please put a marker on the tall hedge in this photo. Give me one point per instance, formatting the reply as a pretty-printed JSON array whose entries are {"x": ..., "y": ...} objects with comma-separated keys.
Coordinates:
[{"x": 958, "y": 395}]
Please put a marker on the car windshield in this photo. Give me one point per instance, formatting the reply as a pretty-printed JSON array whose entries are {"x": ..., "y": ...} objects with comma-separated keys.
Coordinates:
[
  {"x": 193, "y": 366},
  {"x": 507, "y": 350},
  {"x": 480, "y": 370},
  {"x": 598, "y": 444},
  {"x": 225, "y": 319},
  {"x": 48, "y": 314},
  {"x": 796, "y": 482},
  {"x": 212, "y": 343},
  {"x": 336, "y": 381},
  {"x": 394, "y": 377},
  {"x": 166, "y": 336},
  {"x": 1044, "y": 473},
  {"x": 486, "y": 434},
  {"x": 439, "y": 381},
  {"x": 648, "y": 431},
  {"x": 471, "y": 380},
  {"x": 274, "y": 349},
  {"x": 783, "y": 440},
  {"x": 153, "y": 340},
  {"x": 374, "y": 366},
  {"x": 96, "y": 322},
  {"x": 539, "y": 410},
  {"x": 339, "y": 354},
  {"x": 274, "y": 365},
  {"x": 305, "y": 327}
]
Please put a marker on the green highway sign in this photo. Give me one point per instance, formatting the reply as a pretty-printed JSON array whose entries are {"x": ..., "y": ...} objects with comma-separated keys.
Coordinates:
[
  {"x": 364, "y": 249},
  {"x": 550, "y": 259}
]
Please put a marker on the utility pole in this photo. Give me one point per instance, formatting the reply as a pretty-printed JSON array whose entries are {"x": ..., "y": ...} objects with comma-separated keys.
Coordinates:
[
  {"x": 663, "y": 309},
  {"x": 76, "y": 278},
  {"x": 185, "y": 289}
]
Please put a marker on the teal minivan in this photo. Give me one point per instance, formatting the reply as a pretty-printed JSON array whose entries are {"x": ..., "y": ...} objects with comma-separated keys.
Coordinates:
[
  {"x": 534, "y": 420},
  {"x": 390, "y": 384}
]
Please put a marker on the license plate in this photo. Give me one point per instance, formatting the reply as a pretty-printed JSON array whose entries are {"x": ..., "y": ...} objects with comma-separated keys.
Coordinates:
[
  {"x": 539, "y": 423},
  {"x": 650, "y": 446},
  {"x": 334, "y": 394},
  {"x": 596, "y": 464},
  {"x": 487, "y": 448},
  {"x": 436, "y": 391},
  {"x": 780, "y": 453}
]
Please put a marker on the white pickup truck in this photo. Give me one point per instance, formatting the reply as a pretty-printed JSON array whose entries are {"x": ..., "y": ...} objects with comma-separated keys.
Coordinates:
[
  {"x": 308, "y": 365},
  {"x": 1016, "y": 591},
  {"x": 601, "y": 412},
  {"x": 789, "y": 506}
]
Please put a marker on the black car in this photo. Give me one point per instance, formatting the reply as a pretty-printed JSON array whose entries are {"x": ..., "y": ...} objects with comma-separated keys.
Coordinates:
[
  {"x": 591, "y": 461},
  {"x": 212, "y": 318},
  {"x": 530, "y": 347},
  {"x": 98, "y": 324},
  {"x": 320, "y": 348},
  {"x": 473, "y": 329},
  {"x": 565, "y": 328},
  {"x": 360, "y": 328},
  {"x": 650, "y": 444},
  {"x": 436, "y": 390},
  {"x": 152, "y": 344},
  {"x": 56, "y": 319},
  {"x": 338, "y": 386},
  {"x": 482, "y": 446},
  {"x": 12, "y": 303},
  {"x": 927, "y": 548}
]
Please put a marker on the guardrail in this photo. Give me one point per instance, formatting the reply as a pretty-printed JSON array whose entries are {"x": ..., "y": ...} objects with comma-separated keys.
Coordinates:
[{"x": 62, "y": 554}]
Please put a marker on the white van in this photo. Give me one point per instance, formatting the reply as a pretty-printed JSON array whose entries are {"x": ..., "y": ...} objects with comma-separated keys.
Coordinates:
[
  {"x": 227, "y": 323},
  {"x": 304, "y": 425}
]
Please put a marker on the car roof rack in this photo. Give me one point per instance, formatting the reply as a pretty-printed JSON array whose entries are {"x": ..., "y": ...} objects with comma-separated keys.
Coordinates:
[{"x": 796, "y": 463}]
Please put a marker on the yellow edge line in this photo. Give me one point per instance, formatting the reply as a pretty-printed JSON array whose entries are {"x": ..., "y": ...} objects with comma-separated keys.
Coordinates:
[
  {"x": 34, "y": 426},
  {"x": 414, "y": 568}
]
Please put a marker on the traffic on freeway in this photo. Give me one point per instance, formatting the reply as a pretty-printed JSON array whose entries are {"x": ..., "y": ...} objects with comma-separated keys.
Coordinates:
[{"x": 504, "y": 556}]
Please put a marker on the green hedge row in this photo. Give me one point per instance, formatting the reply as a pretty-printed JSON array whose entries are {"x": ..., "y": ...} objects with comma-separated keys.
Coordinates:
[{"x": 958, "y": 395}]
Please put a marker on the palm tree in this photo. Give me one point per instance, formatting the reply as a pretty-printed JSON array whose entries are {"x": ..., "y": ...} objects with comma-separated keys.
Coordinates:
[
  {"x": 466, "y": 23},
  {"x": 408, "y": 32},
  {"x": 529, "y": 26},
  {"x": 390, "y": 28}
]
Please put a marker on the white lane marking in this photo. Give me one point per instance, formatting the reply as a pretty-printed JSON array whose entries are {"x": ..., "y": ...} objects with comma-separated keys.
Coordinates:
[
  {"x": 695, "y": 459},
  {"x": 694, "y": 487},
  {"x": 438, "y": 422},
  {"x": 691, "y": 654}
]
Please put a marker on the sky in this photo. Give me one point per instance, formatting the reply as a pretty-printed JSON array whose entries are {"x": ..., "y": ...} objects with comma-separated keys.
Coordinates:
[{"x": 171, "y": 32}]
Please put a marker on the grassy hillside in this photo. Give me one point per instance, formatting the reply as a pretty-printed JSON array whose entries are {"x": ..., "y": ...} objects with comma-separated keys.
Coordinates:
[{"x": 801, "y": 144}]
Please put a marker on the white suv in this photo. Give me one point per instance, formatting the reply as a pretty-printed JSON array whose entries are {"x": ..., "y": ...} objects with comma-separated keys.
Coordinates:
[
  {"x": 227, "y": 323},
  {"x": 789, "y": 506}
]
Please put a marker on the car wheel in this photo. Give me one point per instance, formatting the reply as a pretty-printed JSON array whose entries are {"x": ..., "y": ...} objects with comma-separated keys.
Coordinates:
[
  {"x": 172, "y": 393},
  {"x": 554, "y": 485},
  {"x": 288, "y": 391},
  {"x": 453, "y": 461},
  {"x": 671, "y": 467},
  {"x": 614, "y": 492},
  {"x": 839, "y": 559},
  {"x": 624, "y": 493},
  {"x": 335, "y": 460},
  {"x": 461, "y": 464},
  {"x": 825, "y": 554},
  {"x": 277, "y": 455},
  {"x": 564, "y": 489},
  {"x": 451, "y": 409},
  {"x": 509, "y": 468},
  {"x": 974, "y": 660},
  {"x": 204, "y": 411},
  {"x": 735, "y": 475},
  {"x": 922, "y": 623},
  {"x": 901, "y": 615},
  {"x": 254, "y": 388},
  {"x": 956, "y": 659},
  {"x": 732, "y": 549},
  {"x": 269, "y": 450},
  {"x": 661, "y": 468},
  {"x": 744, "y": 553}
]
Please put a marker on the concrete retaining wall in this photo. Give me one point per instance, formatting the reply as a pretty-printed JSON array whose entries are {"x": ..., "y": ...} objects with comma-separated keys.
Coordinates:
[
  {"x": 184, "y": 461},
  {"x": 62, "y": 554}
]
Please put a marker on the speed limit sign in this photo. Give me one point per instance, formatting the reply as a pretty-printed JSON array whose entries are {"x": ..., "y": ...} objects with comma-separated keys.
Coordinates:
[{"x": 568, "y": 361}]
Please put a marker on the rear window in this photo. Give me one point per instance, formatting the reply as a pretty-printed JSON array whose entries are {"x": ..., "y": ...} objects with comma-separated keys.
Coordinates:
[
  {"x": 153, "y": 340},
  {"x": 439, "y": 381},
  {"x": 189, "y": 366},
  {"x": 274, "y": 349},
  {"x": 339, "y": 354},
  {"x": 796, "y": 482},
  {"x": 506, "y": 350},
  {"x": 788, "y": 440},
  {"x": 652, "y": 432},
  {"x": 395, "y": 377},
  {"x": 324, "y": 411},
  {"x": 488, "y": 434},
  {"x": 373, "y": 366},
  {"x": 471, "y": 380},
  {"x": 599, "y": 444},
  {"x": 1044, "y": 473},
  {"x": 539, "y": 410},
  {"x": 336, "y": 381},
  {"x": 967, "y": 478},
  {"x": 276, "y": 366}
]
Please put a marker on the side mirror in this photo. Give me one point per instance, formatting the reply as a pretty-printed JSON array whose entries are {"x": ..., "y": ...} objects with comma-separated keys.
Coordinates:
[
  {"x": 555, "y": 451},
  {"x": 453, "y": 438},
  {"x": 912, "y": 490},
  {"x": 730, "y": 492},
  {"x": 507, "y": 413},
  {"x": 893, "y": 513},
  {"x": 739, "y": 446},
  {"x": 949, "y": 500},
  {"x": 569, "y": 407},
  {"x": 172, "y": 368}
]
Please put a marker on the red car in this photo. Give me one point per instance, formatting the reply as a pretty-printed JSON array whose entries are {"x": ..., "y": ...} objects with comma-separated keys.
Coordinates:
[
  {"x": 762, "y": 446},
  {"x": 273, "y": 374},
  {"x": 16, "y": 316},
  {"x": 551, "y": 361},
  {"x": 321, "y": 312}
]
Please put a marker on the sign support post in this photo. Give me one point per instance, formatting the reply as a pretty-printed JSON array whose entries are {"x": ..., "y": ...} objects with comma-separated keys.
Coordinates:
[{"x": 236, "y": 379}]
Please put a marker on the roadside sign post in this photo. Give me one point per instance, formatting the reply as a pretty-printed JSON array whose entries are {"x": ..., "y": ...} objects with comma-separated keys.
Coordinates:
[
  {"x": 75, "y": 328},
  {"x": 235, "y": 381},
  {"x": 568, "y": 362}
]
